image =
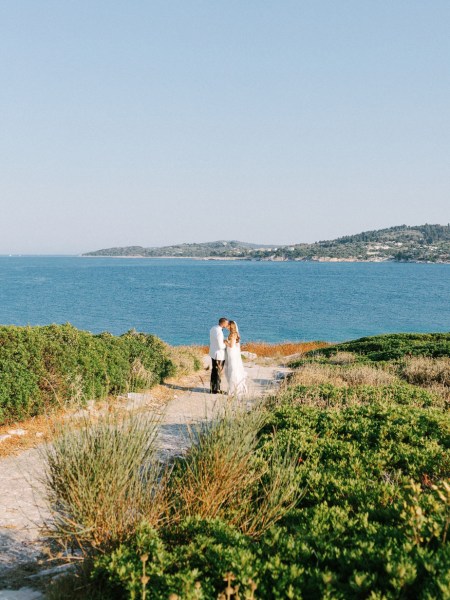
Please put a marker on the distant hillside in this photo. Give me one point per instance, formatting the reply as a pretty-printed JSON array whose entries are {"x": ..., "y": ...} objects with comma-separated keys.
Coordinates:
[
  {"x": 220, "y": 248},
  {"x": 403, "y": 243}
]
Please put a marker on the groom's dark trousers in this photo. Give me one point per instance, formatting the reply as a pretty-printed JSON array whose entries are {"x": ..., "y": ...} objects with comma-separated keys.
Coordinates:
[{"x": 216, "y": 373}]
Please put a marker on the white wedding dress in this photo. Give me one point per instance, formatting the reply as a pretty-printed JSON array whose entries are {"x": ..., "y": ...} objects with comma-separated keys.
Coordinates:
[{"x": 235, "y": 372}]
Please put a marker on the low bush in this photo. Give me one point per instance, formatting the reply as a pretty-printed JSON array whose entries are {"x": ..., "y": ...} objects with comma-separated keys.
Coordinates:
[
  {"x": 56, "y": 365},
  {"x": 394, "y": 346},
  {"x": 189, "y": 560}
]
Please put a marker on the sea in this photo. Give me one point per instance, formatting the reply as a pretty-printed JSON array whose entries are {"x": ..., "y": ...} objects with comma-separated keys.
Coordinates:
[{"x": 180, "y": 299}]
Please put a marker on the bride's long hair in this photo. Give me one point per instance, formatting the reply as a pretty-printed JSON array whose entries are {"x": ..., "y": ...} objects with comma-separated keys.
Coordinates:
[{"x": 234, "y": 332}]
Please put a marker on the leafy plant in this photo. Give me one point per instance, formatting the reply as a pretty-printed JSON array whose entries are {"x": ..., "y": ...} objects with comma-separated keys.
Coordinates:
[
  {"x": 394, "y": 346},
  {"x": 57, "y": 365}
]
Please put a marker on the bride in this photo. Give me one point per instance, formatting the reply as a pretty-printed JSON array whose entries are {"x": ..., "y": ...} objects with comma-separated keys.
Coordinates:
[{"x": 234, "y": 369}]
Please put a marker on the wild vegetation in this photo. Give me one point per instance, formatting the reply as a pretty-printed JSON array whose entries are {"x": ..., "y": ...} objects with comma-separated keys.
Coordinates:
[
  {"x": 282, "y": 349},
  {"x": 403, "y": 243},
  {"x": 394, "y": 346},
  {"x": 279, "y": 350},
  {"x": 96, "y": 482},
  {"x": 337, "y": 487},
  {"x": 59, "y": 365}
]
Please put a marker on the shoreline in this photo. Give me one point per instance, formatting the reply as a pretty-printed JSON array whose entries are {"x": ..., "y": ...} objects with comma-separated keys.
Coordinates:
[{"x": 271, "y": 260}]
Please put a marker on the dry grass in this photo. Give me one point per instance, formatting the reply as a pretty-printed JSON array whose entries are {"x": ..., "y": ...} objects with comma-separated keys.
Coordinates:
[
  {"x": 342, "y": 358},
  {"x": 222, "y": 477},
  {"x": 102, "y": 479},
  {"x": 187, "y": 359},
  {"x": 346, "y": 376},
  {"x": 38, "y": 429},
  {"x": 427, "y": 371},
  {"x": 440, "y": 390},
  {"x": 283, "y": 349},
  {"x": 219, "y": 466}
]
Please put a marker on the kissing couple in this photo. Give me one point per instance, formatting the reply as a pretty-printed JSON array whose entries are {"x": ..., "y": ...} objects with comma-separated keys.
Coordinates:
[{"x": 226, "y": 357}]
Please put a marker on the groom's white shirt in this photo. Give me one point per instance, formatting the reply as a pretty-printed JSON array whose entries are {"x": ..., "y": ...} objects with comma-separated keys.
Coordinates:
[{"x": 216, "y": 343}]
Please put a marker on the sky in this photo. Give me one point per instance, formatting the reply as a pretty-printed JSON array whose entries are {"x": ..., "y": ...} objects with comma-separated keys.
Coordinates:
[{"x": 156, "y": 122}]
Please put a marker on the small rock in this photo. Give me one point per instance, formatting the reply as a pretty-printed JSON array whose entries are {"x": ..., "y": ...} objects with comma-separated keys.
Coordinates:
[
  {"x": 249, "y": 355},
  {"x": 25, "y": 593},
  {"x": 79, "y": 414},
  {"x": 4, "y": 437},
  {"x": 39, "y": 433},
  {"x": 52, "y": 571},
  {"x": 17, "y": 431}
]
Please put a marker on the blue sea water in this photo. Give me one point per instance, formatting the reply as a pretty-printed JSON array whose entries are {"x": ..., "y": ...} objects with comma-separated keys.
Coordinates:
[{"x": 179, "y": 300}]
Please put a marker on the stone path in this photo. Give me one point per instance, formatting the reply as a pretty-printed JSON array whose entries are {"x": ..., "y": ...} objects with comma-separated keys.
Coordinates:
[{"x": 22, "y": 506}]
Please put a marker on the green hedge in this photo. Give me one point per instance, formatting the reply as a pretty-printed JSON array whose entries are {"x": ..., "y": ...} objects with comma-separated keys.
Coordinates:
[
  {"x": 394, "y": 346},
  {"x": 58, "y": 364}
]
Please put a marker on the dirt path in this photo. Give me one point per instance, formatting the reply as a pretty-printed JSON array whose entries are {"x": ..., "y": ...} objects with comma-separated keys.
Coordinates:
[{"x": 22, "y": 506}]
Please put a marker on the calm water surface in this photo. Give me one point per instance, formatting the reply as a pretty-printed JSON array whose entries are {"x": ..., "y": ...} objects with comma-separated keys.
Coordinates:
[{"x": 180, "y": 299}]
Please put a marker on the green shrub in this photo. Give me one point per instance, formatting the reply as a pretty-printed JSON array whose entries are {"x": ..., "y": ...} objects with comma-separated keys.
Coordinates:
[
  {"x": 394, "y": 346},
  {"x": 179, "y": 559},
  {"x": 322, "y": 552},
  {"x": 58, "y": 364}
]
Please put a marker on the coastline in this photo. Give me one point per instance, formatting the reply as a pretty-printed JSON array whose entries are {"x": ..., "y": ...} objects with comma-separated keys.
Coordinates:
[{"x": 272, "y": 260}]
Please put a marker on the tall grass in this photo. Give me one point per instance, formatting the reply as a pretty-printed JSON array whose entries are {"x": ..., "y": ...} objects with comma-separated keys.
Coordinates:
[
  {"x": 426, "y": 371},
  {"x": 219, "y": 470},
  {"x": 342, "y": 375},
  {"x": 186, "y": 359},
  {"x": 102, "y": 479},
  {"x": 281, "y": 350},
  {"x": 278, "y": 350},
  {"x": 223, "y": 475}
]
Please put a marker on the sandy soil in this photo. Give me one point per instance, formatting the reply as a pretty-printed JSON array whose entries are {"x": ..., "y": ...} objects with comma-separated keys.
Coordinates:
[{"x": 23, "y": 510}]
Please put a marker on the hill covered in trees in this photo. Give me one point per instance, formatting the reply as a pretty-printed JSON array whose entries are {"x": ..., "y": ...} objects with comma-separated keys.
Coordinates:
[
  {"x": 403, "y": 243},
  {"x": 220, "y": 249}
]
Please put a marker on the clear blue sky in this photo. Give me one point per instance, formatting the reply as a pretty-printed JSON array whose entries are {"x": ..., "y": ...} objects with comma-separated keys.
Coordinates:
[{"x": 157, "y": 122}]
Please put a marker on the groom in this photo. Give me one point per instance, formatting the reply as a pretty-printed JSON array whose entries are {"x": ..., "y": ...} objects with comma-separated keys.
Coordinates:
[{"x": 217, "y": 353}]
